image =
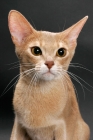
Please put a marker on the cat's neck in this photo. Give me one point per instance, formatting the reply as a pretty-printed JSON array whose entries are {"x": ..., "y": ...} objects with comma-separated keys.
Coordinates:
[{"x": 45, "y": 85}]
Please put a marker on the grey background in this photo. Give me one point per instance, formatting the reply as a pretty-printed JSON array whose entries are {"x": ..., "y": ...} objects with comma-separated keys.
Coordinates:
[{"x": 54, "y": 16}]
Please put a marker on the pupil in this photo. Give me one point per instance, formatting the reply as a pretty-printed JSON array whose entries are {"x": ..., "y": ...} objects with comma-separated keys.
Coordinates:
[
  {"x": 61, "y": 51},
  {"x": 37, "y": 50}
]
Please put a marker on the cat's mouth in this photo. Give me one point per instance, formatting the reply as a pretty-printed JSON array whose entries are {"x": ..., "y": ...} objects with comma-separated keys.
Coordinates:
[{"x": 48, "y": 73}]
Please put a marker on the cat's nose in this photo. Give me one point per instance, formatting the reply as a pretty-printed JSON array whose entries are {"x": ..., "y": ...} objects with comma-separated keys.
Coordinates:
[{"x": 49, "y": 64}]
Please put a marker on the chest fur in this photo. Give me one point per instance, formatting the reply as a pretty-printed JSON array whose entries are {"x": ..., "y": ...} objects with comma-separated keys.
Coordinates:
[{"x": 39, "y": 110}]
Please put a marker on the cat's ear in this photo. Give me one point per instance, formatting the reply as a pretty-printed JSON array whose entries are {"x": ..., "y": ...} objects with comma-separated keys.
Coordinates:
[
  {"x": 19, "y": 27},
  {"x": 72, "y": 33}
]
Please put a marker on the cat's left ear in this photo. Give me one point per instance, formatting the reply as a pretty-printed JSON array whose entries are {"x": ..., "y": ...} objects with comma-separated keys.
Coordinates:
[{"x": 72, "y": 33}]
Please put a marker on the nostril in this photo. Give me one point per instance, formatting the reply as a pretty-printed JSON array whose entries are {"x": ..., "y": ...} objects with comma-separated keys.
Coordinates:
[{"x": 49, "y": 64}]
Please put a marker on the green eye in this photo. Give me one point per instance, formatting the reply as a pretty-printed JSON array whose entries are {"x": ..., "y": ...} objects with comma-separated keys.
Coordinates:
[
  {"x": 61, "y": 52},
  {"x": 36, "y": 51}
]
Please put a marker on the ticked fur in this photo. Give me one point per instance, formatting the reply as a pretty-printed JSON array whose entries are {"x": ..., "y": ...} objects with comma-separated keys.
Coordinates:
[{"x": 44, "y": 100}]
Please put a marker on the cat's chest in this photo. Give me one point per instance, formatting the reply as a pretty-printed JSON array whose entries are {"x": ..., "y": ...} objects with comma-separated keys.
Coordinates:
[
  {"x": 39, "y": 110},
  {"x": 46, "y": 133}
]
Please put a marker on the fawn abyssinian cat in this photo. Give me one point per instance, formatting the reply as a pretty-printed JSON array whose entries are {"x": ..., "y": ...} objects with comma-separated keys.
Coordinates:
[{"x": 44, "y": 101}]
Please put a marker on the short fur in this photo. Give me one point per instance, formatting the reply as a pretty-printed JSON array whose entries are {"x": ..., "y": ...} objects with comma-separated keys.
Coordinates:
[{"x": 44, "y": 100}]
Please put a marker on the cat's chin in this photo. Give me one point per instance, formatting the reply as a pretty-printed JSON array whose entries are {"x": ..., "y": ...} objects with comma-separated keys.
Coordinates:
[{"x": 48, "y": 76}]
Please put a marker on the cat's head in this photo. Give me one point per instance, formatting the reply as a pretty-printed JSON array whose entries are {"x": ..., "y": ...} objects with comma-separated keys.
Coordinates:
[{"x": 45, "y": 54}]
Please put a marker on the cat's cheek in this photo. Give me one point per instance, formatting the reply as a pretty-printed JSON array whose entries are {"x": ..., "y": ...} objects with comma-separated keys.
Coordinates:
[{"x": 41, "y": 69}]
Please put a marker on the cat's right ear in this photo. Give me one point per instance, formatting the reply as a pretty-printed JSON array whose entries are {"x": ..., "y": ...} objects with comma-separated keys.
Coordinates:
[{"x": 19, "y": 27}]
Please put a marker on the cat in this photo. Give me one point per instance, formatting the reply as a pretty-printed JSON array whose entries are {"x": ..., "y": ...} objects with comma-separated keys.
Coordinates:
[{"x": 44, "y": 100}]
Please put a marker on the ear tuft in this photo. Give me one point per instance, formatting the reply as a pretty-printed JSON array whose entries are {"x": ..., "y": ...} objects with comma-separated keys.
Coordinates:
[{"x": 19, "y": 27}]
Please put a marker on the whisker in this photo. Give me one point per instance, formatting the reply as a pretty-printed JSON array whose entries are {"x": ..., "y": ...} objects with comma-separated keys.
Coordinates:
[
  {"x": 22, "y": 64},
  {"x": 17, "y": 66},
  {"x": 76, "y": 79},
  {"x": 76, "y": 92},
  {"x": 62, "y": 75},
  {"x": 86, "y": 87},
  {"x": 21, "y": 74},
  {"x": 82, "y": 80},
  {"x": 82, "y": 68},
  {"x": 29, "y": 84},
  {"x": 35, "y": 80},
  {"x": 13, "y": 63},
  {"x": 76, "y": 64},
  {"x": 32, "y": 82},
  {"x": 8, "y": 85},
  {"x": 64, "y": 25}
]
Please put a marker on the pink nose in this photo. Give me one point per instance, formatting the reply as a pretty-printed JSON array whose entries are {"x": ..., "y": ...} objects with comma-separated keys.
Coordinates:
[{"x": 49, "y": 64}]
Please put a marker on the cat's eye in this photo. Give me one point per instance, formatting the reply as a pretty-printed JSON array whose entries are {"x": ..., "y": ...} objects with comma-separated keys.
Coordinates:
[
  {"x": 61, "y": 52},
  {"x": 36, "y": 51}
]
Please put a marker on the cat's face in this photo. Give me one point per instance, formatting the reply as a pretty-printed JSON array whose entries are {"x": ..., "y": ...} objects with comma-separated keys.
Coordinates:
[
  {"x": 48, "y": 54},
  {"x": 43, "y": 54}
]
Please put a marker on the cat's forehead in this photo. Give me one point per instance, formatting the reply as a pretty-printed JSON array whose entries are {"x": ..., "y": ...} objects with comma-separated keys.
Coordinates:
[
  {"x": 46, "y": 40},
  {"x": 48, "y": 36}
]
